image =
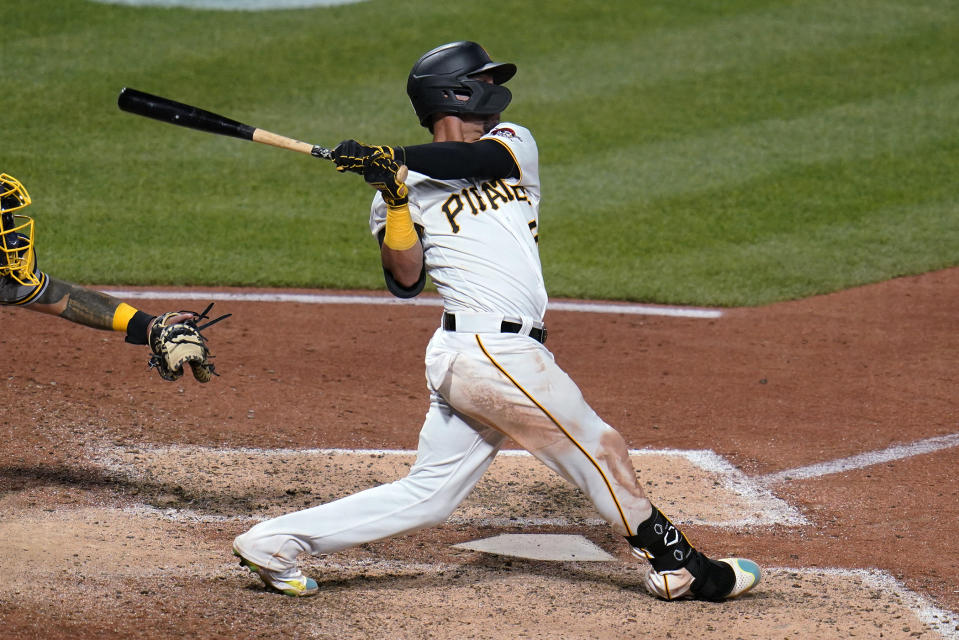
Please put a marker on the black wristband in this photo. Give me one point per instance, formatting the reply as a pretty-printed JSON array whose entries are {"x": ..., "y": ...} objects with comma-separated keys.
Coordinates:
[{"x": 137, "y": 327}]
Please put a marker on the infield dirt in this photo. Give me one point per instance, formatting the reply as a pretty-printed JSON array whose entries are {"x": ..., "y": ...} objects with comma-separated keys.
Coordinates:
[{"x": 120, "y": 493}]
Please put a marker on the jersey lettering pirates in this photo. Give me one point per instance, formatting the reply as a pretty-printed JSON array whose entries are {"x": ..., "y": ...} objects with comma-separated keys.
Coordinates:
[{"x": 480, "y": 234}]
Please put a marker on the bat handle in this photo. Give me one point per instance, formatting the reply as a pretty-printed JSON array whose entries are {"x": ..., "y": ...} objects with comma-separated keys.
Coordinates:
[{"x": 321, "y": 152}]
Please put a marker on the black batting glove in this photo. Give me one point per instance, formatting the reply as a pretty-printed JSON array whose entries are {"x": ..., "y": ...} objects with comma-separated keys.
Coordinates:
[
  {"x": 351, "y": 155},
  {"x": 380, "y": 171}
]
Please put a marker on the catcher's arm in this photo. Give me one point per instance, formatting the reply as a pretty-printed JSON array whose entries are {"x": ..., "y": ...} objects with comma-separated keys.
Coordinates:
[
  {"x": 93, "y": 309},
  {"x": 174, "y": 337}
]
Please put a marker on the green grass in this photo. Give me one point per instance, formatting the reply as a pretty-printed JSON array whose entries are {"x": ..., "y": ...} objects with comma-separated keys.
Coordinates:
[{"x": 733, "y": 153}]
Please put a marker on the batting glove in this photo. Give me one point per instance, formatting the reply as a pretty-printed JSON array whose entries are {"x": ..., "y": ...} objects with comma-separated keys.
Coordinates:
[
  {"x": 351, "y": 155},
  {"x": 382, "y": 172}
]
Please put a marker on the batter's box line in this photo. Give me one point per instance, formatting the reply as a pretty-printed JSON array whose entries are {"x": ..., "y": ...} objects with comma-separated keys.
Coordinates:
[
  {"x": 766, "y": 508},
  {"x": 863, "y": 460},
  {"x": 762, "y": 507},
  {"x": 938, "y": 620},
  {"x": 942, "y": 621}
]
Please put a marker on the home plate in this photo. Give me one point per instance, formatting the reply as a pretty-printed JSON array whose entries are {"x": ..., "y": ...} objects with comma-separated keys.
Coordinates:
[{"x": 540, "y": 546}]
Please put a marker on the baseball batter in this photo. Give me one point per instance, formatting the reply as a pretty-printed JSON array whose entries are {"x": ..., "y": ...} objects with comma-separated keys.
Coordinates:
[
  {"x": 468, "y": 216},
  {"x": 173, "y": 337}
]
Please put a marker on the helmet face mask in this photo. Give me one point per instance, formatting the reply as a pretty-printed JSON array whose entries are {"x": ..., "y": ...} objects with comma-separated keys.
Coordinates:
[
  {"x": 17, "y": 257},
  {"x": 444, "y": 76}
]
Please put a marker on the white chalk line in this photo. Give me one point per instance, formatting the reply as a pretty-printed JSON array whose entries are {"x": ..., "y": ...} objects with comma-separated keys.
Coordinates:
[
  {"x": 862, "y": 460},
  {"x": 769, "y": 509},
  {"x": 941, "y": 621},
  {"x": 763, "y": 507},
  {"x": 427, "y": 301}
]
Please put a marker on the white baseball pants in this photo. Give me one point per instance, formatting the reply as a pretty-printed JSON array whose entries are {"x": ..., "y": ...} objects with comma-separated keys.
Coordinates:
[{"x": 484, "y": 388}]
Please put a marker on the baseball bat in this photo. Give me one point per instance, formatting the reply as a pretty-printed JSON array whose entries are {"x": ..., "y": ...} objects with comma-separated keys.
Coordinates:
[{"x": 185, "y": 115}]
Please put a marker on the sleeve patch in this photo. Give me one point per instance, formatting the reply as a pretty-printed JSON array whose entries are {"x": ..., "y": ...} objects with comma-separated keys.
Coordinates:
[{"x": 506, "y": 132}]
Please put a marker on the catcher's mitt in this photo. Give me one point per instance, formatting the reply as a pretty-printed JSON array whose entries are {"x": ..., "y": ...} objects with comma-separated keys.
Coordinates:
[{"x": 176, "y": 341}]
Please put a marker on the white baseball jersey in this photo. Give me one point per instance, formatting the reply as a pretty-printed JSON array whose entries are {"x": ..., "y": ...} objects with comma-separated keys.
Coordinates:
[{"x": 480, "y": 234}]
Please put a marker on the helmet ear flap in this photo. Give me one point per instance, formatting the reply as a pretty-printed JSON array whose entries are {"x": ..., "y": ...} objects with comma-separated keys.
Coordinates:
[{"x": 487, "y": 99}]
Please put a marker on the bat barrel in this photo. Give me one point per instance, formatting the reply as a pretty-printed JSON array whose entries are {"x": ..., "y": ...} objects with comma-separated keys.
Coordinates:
[{"x": 184, "y": 115}]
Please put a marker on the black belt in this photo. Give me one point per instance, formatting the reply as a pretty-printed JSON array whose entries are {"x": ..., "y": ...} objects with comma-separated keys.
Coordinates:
[{"x": 539, "y": 335}]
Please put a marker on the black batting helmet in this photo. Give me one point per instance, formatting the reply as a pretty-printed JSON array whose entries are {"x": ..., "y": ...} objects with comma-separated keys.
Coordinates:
[{"x": 442, "y": 81}]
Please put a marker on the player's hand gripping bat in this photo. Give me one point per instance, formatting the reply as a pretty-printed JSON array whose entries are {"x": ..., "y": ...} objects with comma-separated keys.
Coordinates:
[{"x": 185, "y": 115}]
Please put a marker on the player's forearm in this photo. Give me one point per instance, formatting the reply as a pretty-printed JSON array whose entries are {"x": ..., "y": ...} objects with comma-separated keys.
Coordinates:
[
  {"x": 405, "y": 266},
  {"x": 92, "y": 309},
  {"x": 77, "y": 304}
]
